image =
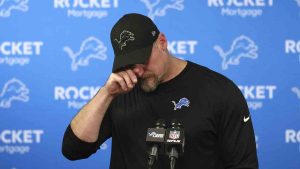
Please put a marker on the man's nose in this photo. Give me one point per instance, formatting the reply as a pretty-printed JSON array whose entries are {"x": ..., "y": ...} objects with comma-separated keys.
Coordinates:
[{"x": 139, "y": 69}]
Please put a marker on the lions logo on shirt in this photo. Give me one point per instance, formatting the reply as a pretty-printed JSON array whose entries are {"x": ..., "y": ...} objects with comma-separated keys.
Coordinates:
[{"x": 182, "y": 102}]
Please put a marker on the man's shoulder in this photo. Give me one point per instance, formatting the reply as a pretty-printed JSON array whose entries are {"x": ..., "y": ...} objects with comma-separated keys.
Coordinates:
[
  {"x": 204, "y": 74},
  {"x": 212, "y": 83}
]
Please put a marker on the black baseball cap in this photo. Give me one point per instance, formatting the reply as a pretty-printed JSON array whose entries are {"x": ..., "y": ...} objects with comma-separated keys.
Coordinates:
[{"x": 132, "y": 38}]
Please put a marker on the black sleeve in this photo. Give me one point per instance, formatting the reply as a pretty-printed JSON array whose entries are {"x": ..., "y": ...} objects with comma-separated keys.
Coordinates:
[
  {"x": 236, "y": 135},
  {"x": 74, "y": 149}
]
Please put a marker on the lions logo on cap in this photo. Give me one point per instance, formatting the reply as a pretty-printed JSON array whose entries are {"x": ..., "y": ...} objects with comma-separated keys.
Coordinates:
[{"x": 124, "y": 37}]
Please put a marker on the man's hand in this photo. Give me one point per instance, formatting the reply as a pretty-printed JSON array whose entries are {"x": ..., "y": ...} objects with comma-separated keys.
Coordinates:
[{"x": 123, "y": 81}]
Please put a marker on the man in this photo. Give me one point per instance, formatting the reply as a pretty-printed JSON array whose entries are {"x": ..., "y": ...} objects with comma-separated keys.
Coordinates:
[{"x": 146, "y": 84}]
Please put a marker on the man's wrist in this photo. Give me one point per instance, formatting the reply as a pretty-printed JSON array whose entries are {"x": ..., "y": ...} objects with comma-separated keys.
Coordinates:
[{"x": 104, "y": 92}]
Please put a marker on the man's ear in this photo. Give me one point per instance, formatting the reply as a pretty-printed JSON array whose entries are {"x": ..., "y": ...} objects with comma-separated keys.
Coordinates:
[{"x": 162, "y": 42}]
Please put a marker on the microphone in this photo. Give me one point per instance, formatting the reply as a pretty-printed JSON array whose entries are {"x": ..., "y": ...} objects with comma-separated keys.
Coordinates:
[
  {"x": 174, "y": 142},
  {"x": 155, "y": 139}
]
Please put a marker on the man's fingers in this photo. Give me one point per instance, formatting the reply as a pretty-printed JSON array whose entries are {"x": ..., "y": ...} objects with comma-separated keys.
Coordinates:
[
  {"x": 126, "y": 78},
  {"x": 132, "y": 76},
  {"x": 120, "y": 80}
]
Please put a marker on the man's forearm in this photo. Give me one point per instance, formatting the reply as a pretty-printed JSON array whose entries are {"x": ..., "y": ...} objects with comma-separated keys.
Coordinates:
[{"x": 87, "y": 122}]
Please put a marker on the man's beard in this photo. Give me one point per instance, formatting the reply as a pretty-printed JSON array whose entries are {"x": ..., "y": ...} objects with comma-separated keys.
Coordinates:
[{"x": 149, "y": 82}]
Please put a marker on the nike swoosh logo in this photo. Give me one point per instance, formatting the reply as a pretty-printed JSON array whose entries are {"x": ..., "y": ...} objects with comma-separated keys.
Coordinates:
[{"x": 246, "y": 119}]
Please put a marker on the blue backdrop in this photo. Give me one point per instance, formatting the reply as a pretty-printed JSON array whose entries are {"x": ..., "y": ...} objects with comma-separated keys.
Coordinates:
[{"x": 55, "y": 54}]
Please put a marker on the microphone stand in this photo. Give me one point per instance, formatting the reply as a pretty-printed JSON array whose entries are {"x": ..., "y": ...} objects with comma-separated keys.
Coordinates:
[
  {"x": 152, "y": 156},
  {"x": 173, "y": 157}
]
